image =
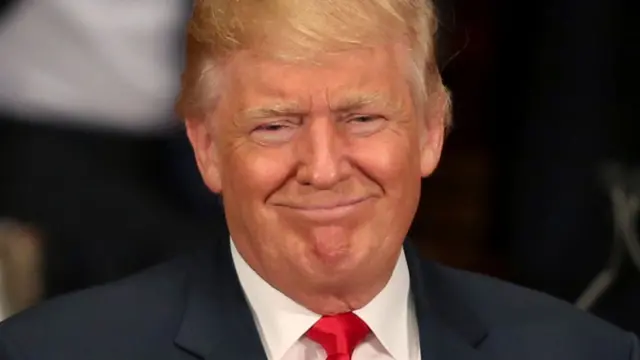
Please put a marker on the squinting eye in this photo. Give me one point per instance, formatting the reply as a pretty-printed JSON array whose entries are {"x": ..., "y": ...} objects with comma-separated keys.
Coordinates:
[
  {"x": 273, "y": 133},
  {"x": 270, "y": 127},
  {"x": 364, "y": 125},
  {"x": 364, "y": 118}
]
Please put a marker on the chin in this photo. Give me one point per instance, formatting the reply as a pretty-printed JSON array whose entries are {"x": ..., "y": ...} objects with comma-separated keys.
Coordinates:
[
  {"x": 333, "y": 246},
  {"x": 336, "y": 260}
]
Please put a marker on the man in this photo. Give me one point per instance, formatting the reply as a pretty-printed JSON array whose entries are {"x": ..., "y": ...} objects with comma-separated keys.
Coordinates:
[{"x": 315, "y": 120}]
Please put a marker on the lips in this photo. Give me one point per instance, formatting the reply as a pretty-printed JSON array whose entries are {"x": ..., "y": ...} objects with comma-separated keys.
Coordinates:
[
  {"x": 326, "y": 211},
  {"x": 326, "y": 205}
]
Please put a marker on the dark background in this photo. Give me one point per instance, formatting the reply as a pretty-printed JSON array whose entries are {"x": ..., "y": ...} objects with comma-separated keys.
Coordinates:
[{"x": 544, "y": 94}]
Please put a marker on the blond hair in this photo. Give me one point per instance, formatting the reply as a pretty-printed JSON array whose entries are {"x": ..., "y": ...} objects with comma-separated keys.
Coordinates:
[{"x": 297, "y": 30}]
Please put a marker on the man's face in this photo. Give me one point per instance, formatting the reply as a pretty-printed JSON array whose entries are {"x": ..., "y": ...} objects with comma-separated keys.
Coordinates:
[{"x": 319, "y": 165}]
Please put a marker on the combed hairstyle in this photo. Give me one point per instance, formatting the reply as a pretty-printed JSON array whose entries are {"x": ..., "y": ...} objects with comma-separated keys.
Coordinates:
[{"x": 297, "y": 30}]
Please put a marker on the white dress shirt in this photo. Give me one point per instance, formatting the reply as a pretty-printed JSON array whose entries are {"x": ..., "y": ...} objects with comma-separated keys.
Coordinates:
[
  {"x": 282, "y": 322},
  {"x": 105, "y": 63}
]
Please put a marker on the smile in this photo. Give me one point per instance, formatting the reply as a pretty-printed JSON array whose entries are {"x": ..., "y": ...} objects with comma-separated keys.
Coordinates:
[{"x": 327, "y": 212}]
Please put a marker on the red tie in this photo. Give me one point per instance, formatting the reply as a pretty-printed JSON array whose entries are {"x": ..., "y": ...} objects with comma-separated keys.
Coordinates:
[{"x": 339, "y": 334}]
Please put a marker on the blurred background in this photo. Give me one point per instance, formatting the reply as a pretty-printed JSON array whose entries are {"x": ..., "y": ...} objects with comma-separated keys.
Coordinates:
[{"x": 539, "y": 180}]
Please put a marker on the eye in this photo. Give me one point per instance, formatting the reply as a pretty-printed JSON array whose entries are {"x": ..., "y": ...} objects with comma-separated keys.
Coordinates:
[
  {"x": 364, "y": 118},
  {"x": 270, "y": 127},
  {"x": 365, "y": 125},
  {"x": 274, "y": 133}
]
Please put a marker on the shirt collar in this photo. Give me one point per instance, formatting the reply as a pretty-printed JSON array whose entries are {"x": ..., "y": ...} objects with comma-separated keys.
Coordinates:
[
  {"x": 389, "y": 314},
  {"x": 281, "y": 321}
]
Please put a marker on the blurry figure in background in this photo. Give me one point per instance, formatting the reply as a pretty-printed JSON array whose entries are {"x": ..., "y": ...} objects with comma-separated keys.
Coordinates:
[
  {"x": 20, "y": 268},
  {"x": 86, "y": 130}
]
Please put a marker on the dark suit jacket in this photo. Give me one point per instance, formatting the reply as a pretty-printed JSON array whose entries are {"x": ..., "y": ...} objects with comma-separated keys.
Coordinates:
[{"x": 194, "y": 308}]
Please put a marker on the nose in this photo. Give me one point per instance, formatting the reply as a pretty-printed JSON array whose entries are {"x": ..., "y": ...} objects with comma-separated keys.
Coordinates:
[{"x": 322, "y": 157}]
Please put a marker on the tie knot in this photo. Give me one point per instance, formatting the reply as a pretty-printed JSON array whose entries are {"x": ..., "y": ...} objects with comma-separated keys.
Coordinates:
[{"x": 339, "y": 334}]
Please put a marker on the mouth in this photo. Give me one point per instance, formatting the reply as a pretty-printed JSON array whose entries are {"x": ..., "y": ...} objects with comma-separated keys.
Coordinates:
[{"x": 327, "y": 212}]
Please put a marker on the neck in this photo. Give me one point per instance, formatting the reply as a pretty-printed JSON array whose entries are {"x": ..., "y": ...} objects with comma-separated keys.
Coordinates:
[
  {"x": 331, "y": 303},
  {"x": 351, "y": 294}
]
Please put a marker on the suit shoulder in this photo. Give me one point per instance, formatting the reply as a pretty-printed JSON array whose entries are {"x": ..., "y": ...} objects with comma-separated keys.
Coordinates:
[
  {"x": 501, "y": 304},
  {"x": 134, "y": 304}
]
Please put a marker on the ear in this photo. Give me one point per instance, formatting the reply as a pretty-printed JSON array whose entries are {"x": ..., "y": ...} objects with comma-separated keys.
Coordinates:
[
  {"x": 201, "y": 136},
  {"x": 433, "y": 131}
]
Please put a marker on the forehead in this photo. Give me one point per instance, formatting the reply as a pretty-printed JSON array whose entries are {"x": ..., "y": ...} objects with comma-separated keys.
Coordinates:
[{"x": 374, "y": 74}]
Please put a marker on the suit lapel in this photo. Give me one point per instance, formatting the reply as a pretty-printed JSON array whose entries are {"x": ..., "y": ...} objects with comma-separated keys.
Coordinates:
[
  {"x": 449, "y": 330},
  {"x": 217, "y": 322}
]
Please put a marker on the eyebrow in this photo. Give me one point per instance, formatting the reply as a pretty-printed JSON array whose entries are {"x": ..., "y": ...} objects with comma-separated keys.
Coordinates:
[
  {"x": 274, "y": 110},
  {"x": 350, "y": 103}
]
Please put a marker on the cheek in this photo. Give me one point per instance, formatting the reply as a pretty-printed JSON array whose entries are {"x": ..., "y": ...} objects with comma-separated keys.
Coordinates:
[
  {"x": 254, "y": 175},
  {"x": 392, "y": 162}
]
